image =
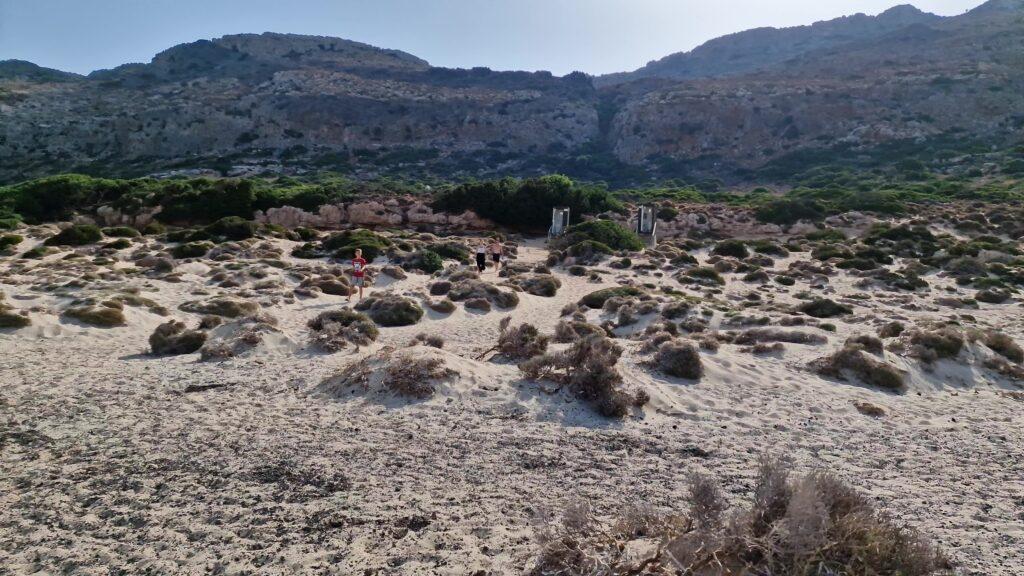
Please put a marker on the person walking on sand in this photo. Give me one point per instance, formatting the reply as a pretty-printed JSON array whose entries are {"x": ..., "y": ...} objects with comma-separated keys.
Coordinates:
[
  {"x": 481, "y": 256},
  {"x": 358, "y": 273},
  {"x": 495, "y": 249}
]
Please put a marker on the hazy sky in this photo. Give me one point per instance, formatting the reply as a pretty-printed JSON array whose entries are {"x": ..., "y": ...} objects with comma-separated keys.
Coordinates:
[{"x": 595, "y": 36}]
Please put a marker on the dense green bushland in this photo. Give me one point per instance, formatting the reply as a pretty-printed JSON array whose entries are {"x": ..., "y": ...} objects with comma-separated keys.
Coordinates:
[
  {"x": 526, "y": 203},
  {"x": 183, "y": 200}
]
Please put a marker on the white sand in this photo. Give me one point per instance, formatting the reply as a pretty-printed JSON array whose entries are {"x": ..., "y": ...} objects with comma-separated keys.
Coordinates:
[{"x": 106, "y": 466}]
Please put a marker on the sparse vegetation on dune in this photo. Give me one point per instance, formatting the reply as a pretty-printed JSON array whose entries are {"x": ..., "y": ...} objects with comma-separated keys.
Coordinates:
[
  {"x": 389, "y": 309},
  {"x": 811, "y": 524},
  {"x": 334, "y": 329},
  {"x": 588, "y": 369}
]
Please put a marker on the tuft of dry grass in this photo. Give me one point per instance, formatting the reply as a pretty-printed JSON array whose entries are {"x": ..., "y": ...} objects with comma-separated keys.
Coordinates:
[{"x": 811, "y": 524}]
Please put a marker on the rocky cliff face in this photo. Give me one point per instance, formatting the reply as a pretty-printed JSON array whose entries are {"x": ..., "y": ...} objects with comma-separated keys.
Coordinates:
[
  {"x": 753, "y": 50},
  {"x": 852, "y": 87}
]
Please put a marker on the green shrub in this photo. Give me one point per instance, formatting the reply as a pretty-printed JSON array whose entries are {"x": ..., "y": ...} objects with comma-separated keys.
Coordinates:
[
  {"x": 597, "y": 298},
  {"x": 77, "y": 235},
  {"x": 58, "y": 197},
  {"x": 391, "y": 309},
  {"x": 733, "y": 248},
  {"x": 306, "y": 234},
  {"x": 425, "y": 260},
  {"x": 667, "y": 213},
  {"x": 343, "y": 244},
  {"x": 119, "y": 244},
  {"x": 786, "y": 211},
  {"x": 824, "y": 308},
  {"x": 36, "y": 253},
  {"x": 191, "y": 250},
  {"x": 450, "y": 250},
  {"x": 604, "y": 232},
  {"x": 8, "y": 240},
  {"x": 588, "y": 248},
  {"x": 154, "y": 228},
  {"x": 233, "y": 228},
  {"x": 121, "y": 232},
  {"x": 526, "y": 203},
  {"x": 826, "y": 235},
  {"x": 704, "y": 275}
]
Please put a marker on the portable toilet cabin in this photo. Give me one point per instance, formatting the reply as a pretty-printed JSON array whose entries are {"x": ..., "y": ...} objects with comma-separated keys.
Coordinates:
[
  {"x": 646, "y": 224},
  {"x": 559, "y": 221}
]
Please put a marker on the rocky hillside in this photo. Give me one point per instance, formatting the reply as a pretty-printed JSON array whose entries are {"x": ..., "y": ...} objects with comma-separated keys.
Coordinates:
[
  {"x": 759, "y": 105},
  {"x": 761, "y": 48}
]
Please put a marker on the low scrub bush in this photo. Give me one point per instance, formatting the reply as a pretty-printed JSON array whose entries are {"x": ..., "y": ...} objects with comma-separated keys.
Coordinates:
[
  {"x": 520, "y": 342},
  {"x": 174, "y": 338},
  {"x": 10, "y": 240},
  {"x": 824, "y": 308},
  {"x": 942, "y": 343},
  {"x": 76, "y": 235},
  {"x": 853, "y": 359},
  {"x": 387, "y": 309},
  {"x": 415, "y": 377},
  {"x": 814, "y": 524},
  {"x": 100, "y": 315},
  {"x": 588, "y": 369},
  {"x": 344, "y": 244},
  {"x": 603, "y": 232},
  {"x": 678, "y": 359},
  {"x": 333, "y": 329},
  {"x": 733, "y": 248},
  {"x": 1003, "y": 345},
  {"x": 598, "y": 298}
]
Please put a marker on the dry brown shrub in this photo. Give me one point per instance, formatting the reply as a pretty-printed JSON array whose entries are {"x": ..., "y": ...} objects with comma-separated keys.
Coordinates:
[
  {"x": 415, "y": 377},
  {"x": 522, "y": 342},
  {"x": 1003, "y": 345},
  {"x": 757, "y": 335},
  {"x": 812, "y": 524},
  {"x": 854, "y": 360},
  {"x": 588, "y": 369},
  {"x": 567, "y": 331},
  {"x": 432, "y": 340},
  {"x": 678, "y": 359},
  {"x": 333, "y": 330},
  {"x": 869, "y": 409}
]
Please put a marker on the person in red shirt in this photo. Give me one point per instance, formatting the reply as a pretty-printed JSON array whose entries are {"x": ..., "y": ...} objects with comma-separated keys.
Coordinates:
[{"x": 358, "y": 273}]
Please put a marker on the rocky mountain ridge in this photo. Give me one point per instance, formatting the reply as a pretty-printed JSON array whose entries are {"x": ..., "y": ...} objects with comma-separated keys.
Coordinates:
[{"x": 759, "y": 104}]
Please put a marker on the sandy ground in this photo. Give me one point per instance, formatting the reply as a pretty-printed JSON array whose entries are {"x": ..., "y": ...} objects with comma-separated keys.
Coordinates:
[{"x": 107, "y": 465}]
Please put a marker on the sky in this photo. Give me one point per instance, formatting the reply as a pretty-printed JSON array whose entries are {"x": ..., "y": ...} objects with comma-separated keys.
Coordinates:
[{"x": 561, "y": 36}]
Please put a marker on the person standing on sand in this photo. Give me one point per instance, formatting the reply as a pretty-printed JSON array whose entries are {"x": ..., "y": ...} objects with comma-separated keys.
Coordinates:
[
  {"x": 358, "y": 273},
  {"x": 495, "y": 249},
  {"x": 481, "y": 256}
]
